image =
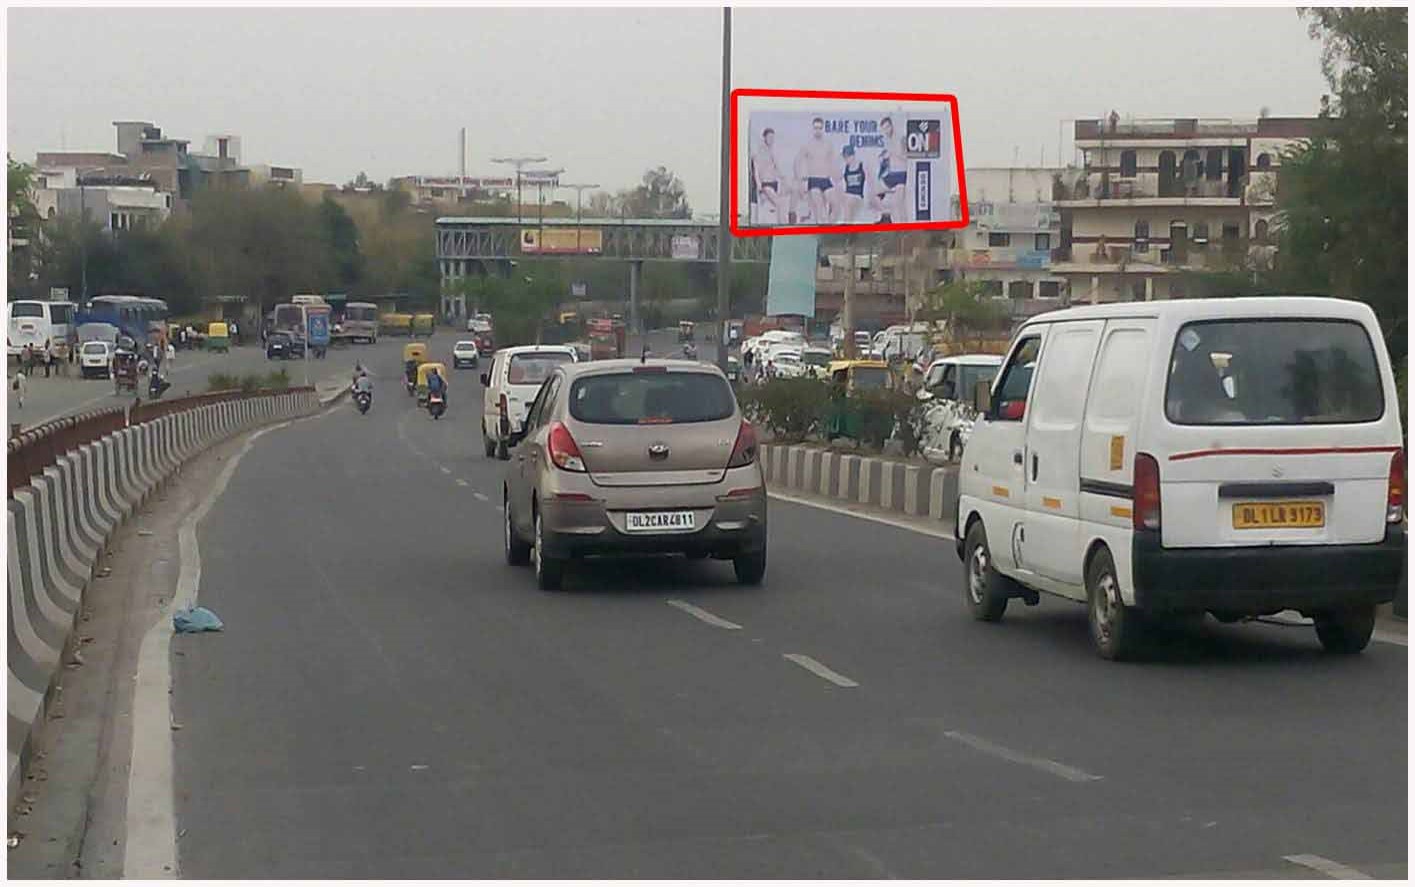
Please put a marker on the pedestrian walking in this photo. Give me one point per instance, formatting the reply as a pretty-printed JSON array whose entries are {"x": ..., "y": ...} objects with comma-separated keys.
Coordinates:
[
  {"x": 171, "y": 356},
  {"x": 48, "y": 361},
  {"x": 27, "y": 358},
  {"x": 19, "y": 384}
]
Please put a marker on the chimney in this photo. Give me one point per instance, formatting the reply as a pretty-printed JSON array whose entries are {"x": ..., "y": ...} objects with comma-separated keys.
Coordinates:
[{"x": 462, "y": 164}]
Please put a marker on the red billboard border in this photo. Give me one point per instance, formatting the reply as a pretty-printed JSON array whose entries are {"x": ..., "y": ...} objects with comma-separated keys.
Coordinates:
[{"x": 752, "y": 231}]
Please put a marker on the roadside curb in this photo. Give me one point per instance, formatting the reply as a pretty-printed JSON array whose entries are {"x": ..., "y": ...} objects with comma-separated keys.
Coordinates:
[{"x": 924, "y": 494}]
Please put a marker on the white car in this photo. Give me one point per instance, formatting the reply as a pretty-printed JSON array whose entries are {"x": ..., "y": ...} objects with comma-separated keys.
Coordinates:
[
  {"x": 948, "y": 389},
  {"x": 1154, "y": 460},
  {"x": 465, "y": 353},
  {"x": 96, "y": 360},
  {"x": 787, "y": 363},
  {"x": 512, "y": 382}
]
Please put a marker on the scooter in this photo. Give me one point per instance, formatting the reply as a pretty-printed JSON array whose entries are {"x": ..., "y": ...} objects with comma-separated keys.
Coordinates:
[
  {"x": 436, "y": 404},
  {"x": 363, "y": 400}
]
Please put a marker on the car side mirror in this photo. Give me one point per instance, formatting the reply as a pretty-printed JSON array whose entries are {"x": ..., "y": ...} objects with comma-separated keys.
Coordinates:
[
  {"x": 982, "y": 398},
  {"x": 486, "y": 380}
]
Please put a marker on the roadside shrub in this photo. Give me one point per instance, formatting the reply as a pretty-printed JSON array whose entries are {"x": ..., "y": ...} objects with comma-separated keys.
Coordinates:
[
  {"x": 879, "y": 415},
  {"x": 278, "y": 380},
  {"x": 222, "y": 382},
  {"x": 790, "y": 409}
]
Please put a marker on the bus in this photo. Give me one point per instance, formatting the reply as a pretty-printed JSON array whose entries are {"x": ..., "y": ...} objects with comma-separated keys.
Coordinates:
[
  {"x": 360, "y": 322},
  {"x": 132, "y": 316},
  {"x": 40, "y": 324}
]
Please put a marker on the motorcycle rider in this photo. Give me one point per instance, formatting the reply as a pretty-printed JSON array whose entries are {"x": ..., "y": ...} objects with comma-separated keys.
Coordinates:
[
  {"x": 690, "y": 351},
  {"x": 436, "y": 384}
]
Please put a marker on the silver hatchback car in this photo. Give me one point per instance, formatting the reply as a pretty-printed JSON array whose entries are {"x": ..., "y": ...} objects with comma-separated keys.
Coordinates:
[{"x": 631, "y": 456}]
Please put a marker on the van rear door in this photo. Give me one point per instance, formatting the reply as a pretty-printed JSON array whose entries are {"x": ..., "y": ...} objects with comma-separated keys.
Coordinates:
[{"x": 1280, "y": 431}]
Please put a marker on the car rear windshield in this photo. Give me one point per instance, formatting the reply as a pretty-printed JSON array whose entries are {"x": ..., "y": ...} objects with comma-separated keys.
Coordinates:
[
  {"x": 651, "y": 399},
  {"x": 27, "y": 309},
  {"x": 533, "y": 369},
  {"x": 1273, "y": 372},
  {"x": 95, "y": 348}
]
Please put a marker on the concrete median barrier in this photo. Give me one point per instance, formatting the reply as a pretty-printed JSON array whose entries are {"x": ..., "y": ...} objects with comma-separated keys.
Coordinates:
[
  {"x": 60, "y": 521},
  {"x": 927, "y": 492}
]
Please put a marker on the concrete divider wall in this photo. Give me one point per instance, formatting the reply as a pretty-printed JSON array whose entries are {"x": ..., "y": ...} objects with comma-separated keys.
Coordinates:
[
  {"x": 61, "y": 522},
  {"x": 922, "y": 491}
]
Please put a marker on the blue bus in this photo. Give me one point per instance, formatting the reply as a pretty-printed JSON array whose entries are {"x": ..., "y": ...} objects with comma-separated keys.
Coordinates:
[{"x": 132, "y": 316}]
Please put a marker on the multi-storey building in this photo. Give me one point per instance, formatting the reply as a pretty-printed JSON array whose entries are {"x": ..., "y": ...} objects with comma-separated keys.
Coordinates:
[{"x": 1156, "y": 198}]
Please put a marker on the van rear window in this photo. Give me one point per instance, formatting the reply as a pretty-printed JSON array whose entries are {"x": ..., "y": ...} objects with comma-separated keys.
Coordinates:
[
  {"x": 533, "y": 368},
  {"x": 1273, "y": 372}
]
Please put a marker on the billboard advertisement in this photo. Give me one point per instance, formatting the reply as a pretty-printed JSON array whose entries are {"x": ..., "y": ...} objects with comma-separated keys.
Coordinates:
[
  {"x": 686, "y": 246},
  {"x": 830, "y": 162},
  {"x": 561, "y": 241}
]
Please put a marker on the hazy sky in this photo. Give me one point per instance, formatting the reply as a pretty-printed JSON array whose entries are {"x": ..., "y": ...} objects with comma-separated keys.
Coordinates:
[{"x": 606, "y": 93}]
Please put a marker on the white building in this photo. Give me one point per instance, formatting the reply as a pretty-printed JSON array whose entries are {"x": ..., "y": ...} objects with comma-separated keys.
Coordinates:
[
  {"x": 1012, "y": 231},
  {"x": 115, "y": 207},
  {"x": 1156, "y": 198}
]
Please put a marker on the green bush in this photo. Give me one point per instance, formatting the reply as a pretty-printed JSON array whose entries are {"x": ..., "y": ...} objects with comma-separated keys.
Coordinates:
[
  {"x": 881, "y": 415},
  {"x": 790, "y": 409},
  {"x": 222, "y": 382},
  {"x": 278, "y": 380}
]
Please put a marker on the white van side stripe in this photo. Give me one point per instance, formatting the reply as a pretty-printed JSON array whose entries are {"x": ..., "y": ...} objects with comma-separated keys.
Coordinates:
[{"x": 1280, "y": 451}]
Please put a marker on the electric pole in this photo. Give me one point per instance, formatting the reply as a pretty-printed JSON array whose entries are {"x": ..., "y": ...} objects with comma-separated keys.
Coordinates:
[
  {"x": 579, "y": 206},
  {"x": 724, "y": 231},
  {"x": 519, "y": 163}
]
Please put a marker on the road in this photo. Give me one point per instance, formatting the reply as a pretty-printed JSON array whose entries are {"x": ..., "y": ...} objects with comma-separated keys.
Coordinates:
[
  {"x": 54, "y": 397},
  {"x": 389, "y": 699}
]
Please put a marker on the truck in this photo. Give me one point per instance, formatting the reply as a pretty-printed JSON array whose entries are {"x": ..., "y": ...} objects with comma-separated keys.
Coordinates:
[{"x": 606, "y": 337}]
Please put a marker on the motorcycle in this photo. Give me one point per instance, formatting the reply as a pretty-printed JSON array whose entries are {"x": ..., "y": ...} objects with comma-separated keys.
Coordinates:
[
  {"x": 437, "y": 404},
  {"x": 156, "y": 387},
  {"x": 363, "y": 400}
]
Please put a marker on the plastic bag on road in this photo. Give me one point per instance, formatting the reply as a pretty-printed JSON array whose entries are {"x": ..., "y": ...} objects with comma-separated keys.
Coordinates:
[{"x": 194, "y": 620}]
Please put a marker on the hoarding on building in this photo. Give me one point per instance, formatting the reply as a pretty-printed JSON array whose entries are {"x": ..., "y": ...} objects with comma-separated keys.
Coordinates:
[
  {"x": 561, "y": 241},
  {"x": 868, "y": 164},
  {"x": 686, "y": 246}
]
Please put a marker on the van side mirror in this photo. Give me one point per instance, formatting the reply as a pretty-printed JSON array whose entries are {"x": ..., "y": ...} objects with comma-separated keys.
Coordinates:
[
  {"x": 982, "y": 397},
  {"x": 486, "y": 380}
]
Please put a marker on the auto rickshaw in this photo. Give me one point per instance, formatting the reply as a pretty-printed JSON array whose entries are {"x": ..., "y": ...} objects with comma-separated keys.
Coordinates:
[
  {"x": 125, "y": 372},
  {"x": 847, "y": 379},
  {"x": 414, "y": 353},
  {"x": 423, "y": 370},
  {"x": 685, "y": 331},
  {"x": 422, "y": 324},
  {"x": 218, "y": 337}
]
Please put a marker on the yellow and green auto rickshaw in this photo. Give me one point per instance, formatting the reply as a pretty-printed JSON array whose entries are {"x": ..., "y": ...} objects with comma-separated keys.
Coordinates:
[
  {"x": 218, "y": 337},
  {"x": 422, "y": 324},
  {"x": 423, "y": 370},
  {"x": 848, "y": 378},
  {"x": 414, "y": 353}
]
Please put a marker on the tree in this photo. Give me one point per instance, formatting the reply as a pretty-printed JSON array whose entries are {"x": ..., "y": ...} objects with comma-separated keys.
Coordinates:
[
  {"x": 661, "y": 195},
  {"x": 962, "y": 308},
  {"x": 343, "y": 237},
  {"x": 1343, "y": 194},
  {"x": 23, "y": 223}
]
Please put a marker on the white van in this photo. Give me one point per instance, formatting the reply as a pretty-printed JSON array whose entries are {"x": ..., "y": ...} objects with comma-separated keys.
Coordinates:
[
  {"x": 1160, "y": 459},
  {"x": 512, "y": 382}
]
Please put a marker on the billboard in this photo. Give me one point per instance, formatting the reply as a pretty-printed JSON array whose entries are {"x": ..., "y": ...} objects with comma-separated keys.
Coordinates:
[
  {"x": 561, "y": 241},
  {"x": 686, "y": 246},
  {"x": 833, "y": 162}
]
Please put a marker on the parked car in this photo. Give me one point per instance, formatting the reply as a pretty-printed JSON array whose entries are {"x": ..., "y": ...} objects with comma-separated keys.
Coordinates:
[
  {"x": 628, "y": 456},
  {"x": 1237, "y": 456},
  {"x": 96, "y": 360},
  {"x": 465, "y": 354},
  {"x": 511, "y": 383}
]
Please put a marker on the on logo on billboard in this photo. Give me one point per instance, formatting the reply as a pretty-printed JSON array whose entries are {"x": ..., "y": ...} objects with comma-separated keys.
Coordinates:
[{"x": 922, "y": 138}]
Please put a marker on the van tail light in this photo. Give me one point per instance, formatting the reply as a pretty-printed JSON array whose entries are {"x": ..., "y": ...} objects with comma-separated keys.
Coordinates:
[
  {"x": 1395, "y": 490},
  {"x": 1146, "y": 515},
  {"x": 744, "y": 451},
  {"x": 503, "y": 407},
  {"x": 564, "y": 452}
]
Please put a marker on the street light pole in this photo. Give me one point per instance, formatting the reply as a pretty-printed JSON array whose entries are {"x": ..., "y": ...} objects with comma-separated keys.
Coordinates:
[
  {"x": 579, "y": 208},
  {"x": 519, "y": 163},
  {"x": 724, "y": 232}
]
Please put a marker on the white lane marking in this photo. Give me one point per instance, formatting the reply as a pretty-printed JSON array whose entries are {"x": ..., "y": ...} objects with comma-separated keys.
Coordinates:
[
  {"x": 151, "y": 847},
  {"x": 819, "y": 670},
  {"x": 461, "y": 483},
  {"x": 444, "y": 469},
  {"x": 1390, "y": 637},
  {"x": 703, "y": 615},
  {"x": 945, "y": 530},
  {"x": 1328, "y": 867},
  {"x": 480, "y": 497},
  {"x": 1069, "y": 773}
]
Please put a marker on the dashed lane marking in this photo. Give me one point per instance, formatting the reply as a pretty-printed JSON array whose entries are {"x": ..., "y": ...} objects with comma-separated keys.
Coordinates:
[
  {"x": 1065, "y": 771},
  {"x": 819, "y": 670},
  {"x": 1328, "y": 867},
  {"x": 703, "y": 615},
  {"x": 480, "y": 497},
  {"x": 461, "y": 483},
  {"x": 444, "y": 469}
]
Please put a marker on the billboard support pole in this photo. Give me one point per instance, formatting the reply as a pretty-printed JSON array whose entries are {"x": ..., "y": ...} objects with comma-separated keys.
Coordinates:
[
  {"x": 848, "y": 320},
  {"x": 724, "y": 233}
]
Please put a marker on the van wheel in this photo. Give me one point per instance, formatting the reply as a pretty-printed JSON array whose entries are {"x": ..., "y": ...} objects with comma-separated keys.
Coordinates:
[
  {"x": 488, "y": 445},
  {"x": 502, "y": 452},
  {"x": 1115, "y": 628},
  {"x": 985, "y": 588},
  {"x": 518, "y": 553},
  {"x": 955, "y": 449},
  {"x": 1345, "y": 631},
  {"x": 550, "y": 572}
]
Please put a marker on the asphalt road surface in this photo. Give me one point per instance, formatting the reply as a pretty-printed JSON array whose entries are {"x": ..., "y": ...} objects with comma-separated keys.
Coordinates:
[{"x": 389, "y": 699}]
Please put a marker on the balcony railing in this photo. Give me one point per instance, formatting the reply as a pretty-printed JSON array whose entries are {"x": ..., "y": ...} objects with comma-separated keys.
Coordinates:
[{"x": 1107, "y": 186}]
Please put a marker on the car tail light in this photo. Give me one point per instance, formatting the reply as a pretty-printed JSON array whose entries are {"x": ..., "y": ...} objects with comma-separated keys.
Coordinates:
[
  {"x": 1146, "y": 515},
  {"x": 739, "y": 494},
  {"x": 744, "y": 451},
  {"x": 1395, "y": 490},
  {"x": 564, "y": 452}
]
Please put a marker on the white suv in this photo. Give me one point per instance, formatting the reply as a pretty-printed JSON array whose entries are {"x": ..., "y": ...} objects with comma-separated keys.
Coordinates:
[
  {"x": 511, "y": 383},
  {"x": 95, "y": 359}
]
